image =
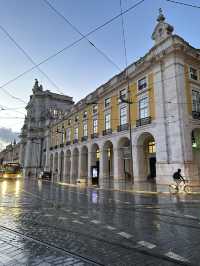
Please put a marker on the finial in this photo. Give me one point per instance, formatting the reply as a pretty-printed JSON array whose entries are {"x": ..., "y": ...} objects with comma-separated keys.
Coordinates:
[
  {"x": 161, "y": 17},
  {"x": 36, "y": 85}
]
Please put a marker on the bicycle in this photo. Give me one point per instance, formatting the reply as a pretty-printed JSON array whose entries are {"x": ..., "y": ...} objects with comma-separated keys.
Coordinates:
[{"x": 182, "y": 187}]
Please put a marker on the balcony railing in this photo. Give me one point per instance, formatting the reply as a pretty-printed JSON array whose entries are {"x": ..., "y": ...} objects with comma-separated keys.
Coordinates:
[
  {"x": 94, "y": 135},
  {"x": 68, "y": 143},
  {"x": 195, "y": 115},
  {"x": 143, "y": 121},
  {"x": 61, "y": 145},
  {"x": 84, "y": 138},
  {"x": 107, "y": 132},
  {"x": 75, "y": 141},
  {"x": 122, "y": 127}
]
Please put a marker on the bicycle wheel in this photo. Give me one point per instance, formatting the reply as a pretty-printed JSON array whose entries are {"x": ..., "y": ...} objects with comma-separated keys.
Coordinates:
[
  {"x": 173, "y": 189},
  {"x": 187, "y": 189}
]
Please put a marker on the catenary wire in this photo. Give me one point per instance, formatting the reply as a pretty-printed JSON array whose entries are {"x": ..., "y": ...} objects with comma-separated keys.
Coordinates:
[
  {"x": 80, "y": 33},
  {"x": 70, "y": 45},
  {"x": 29, "y": 57},
  {"x": 183, "y": 4}
]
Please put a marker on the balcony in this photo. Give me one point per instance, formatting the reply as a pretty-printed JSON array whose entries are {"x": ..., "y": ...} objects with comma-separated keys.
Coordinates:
[
  {"x": 84, "y": 138},
  {"x": 68, "y": 143},
  {"x": 75, "y": 141},
  {"x": 123, "y": 127},
  {"x": 143, "y": 121},
  {"x": 94, "y": 135},
  {"x": 61, "y": 145},
  {"x": 107, "y": 132},
  {"x": 195, "y": 115}
]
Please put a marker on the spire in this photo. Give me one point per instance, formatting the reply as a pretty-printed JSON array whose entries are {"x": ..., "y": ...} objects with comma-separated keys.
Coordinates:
[{"x": 162, "y": 29}]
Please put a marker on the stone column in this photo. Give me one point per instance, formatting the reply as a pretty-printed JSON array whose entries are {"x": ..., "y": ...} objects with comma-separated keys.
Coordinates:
[{"x": 89, "y": 181}]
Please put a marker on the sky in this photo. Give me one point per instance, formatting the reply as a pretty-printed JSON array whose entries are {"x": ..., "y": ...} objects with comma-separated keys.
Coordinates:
[{"x": 81, "y": 69}]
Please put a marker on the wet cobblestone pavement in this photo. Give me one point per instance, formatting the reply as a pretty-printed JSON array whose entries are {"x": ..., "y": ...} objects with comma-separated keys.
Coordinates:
[{"x": 48, "y": 224}]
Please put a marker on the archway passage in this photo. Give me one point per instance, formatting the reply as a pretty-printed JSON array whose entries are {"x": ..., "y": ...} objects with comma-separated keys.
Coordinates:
[
  {"x": 124, "y": 162},
  {"x": 196, "y": 150},
  {"x": 68, "y": 166},
  {"x": 146, "y": 157},
  {"x": 95, "y": 164},
  {"x": 84, "y": 163},
  {"x": 108, "y": 164},
  {"x": 75, "y": 166},
  {"x": 61, "y": 166}
]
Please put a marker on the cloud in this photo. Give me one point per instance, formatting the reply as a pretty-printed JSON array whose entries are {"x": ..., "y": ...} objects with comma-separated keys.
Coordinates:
[{"x": 7, "y": 136}]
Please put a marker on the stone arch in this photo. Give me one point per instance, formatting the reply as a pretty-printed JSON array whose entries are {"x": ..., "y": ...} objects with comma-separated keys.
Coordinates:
[
  {"x": 75, "y": 165},
  {"x": 125, "y": 167},
  {"x": 68, "y": 158},
  {"x": 61, "y": 166},
  {"x": 95, "y": 163},
  {"x": 108, "y": 164},
  {"x": 146, "y": 156},
  {"x": 84, "y": 163}
]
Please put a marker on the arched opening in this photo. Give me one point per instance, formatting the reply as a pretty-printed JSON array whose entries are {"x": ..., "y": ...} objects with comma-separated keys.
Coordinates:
[
  {"x": 124, "y": 161},
  {"x": 108, "y": 164},
  {"x": 61, "y": 166},
  {"x": 146, "y": 147},
  {"x": 75, "y": 165},
  {"x": 95, "y": 155},
  {"x": 84, "y": 163},
  {"x": 68, "y": 166},
  {"x": 55, "y": 174},
  {"x": 196, "y": 149}
]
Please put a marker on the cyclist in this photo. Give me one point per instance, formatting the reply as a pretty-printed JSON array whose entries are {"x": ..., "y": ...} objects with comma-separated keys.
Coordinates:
[{"x": 178, "y": 178}]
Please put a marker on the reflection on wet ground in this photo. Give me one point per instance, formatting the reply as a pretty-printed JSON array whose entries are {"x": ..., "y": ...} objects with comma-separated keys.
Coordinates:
[{"x": 48, "y": 224}]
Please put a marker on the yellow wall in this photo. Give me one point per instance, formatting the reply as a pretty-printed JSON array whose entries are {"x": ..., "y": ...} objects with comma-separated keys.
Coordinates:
[
  {"x": 100, "y": 116},
  {"x": 134, "y": 105},
  {"x": 151, "y": 96},
  {"x": 114, "y": 112}
]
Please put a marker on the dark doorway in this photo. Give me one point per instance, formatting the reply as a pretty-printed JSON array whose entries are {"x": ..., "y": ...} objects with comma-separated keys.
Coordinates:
[
  {"x": 95, "y": 174},
  {"x": 152, "y": 166}
]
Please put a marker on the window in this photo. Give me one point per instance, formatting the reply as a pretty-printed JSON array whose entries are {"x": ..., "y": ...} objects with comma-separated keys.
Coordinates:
[
  {"x": 95, "y": 126},
  {"x": 142, "y": 84},
  {"x": 122, "y": 94},
  {"x": 95, "y": 109},
  {"x": 85, "y": 130},
  {"x": 69, "y": 122},
  {"x": 76, "y": 118},
  {"x": 143, "y": 108},
  {"x": 123, "y": 115},
  {"x": 68, "y": 134},
  {"x": 107, "y": 102},
  {"x": 76, "y": 133},
  {"x": 107, "y": 121},
  {"x": 151, "y": 147},
  {"x": 85, "y": 114},
  {"x": 193, "y": 73},
  {"x": 195, "y": 101}
]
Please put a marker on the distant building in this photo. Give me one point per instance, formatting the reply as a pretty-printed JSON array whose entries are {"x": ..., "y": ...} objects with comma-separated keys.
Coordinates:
[
  {"x": 10, "y": 153},
  {"x": 91, "y": 141}
]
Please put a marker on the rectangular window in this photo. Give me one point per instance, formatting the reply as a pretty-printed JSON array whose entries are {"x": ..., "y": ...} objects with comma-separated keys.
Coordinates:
[
  {"x": 142, "y": 84},
  {"x": 85, "y": 114},
  {"x": 76, "y": 133},
  {"x": 69, "y": 122},
  {"x": 122, "y": 94},
  {"x": 107, "y": 121},
  {"x": 107, "y": 102},
  {"x": 195, "y": 101},
  {"x": 123, "y": 115},
  {"x": 85, "y": 130},
  {"x": 76, "y": 118},
  {"x": 193, "y": 73},
  {"x": 95, "y": 109},
  {"x": 95, "y": 126},
  {"x": 68, "y": 134},
  {"x": 143, "y": 108}
]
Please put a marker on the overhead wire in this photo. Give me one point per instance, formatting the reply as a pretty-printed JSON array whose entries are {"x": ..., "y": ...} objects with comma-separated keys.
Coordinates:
[
  {"x": 29, "y": 57},
  {"x": 72, "y": 44},
  {"x": 80, "y": 33},
  {"x": 183, "y": 3}
]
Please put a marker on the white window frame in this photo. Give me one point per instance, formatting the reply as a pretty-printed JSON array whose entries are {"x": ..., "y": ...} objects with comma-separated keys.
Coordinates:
[
  {"x": 76, "y": 133},
  {"x": 123, "y": 116},
  {"x": 85, "y": 130},
  {"x": 195, "y": 102},
  {"x": 190, "y": 73},
  {"x": 109, "y": 102},
  {"x": 145, "y": 97},
  {"x": 107, "y": 121},
  {"x": 95, "y": 109},
  {"x": 146, "y": 87},
  {"x": 95, "y": 125}
]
